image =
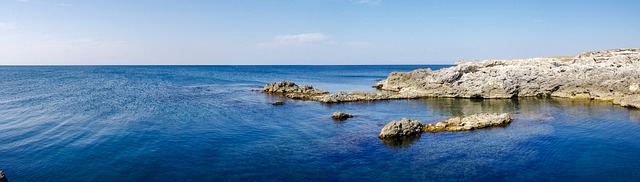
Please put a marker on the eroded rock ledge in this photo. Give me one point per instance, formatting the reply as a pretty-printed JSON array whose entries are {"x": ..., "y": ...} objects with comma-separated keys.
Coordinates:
[
  {"x": 407, "y": 127},
  {"x": 471, "y": 122},
  {"x": 611, "y": 75},
  {"x": 292, "y": 90}
]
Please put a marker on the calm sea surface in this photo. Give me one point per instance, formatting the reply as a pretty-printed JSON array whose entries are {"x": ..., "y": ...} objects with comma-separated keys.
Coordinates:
[{"x": 204, "y": 123}]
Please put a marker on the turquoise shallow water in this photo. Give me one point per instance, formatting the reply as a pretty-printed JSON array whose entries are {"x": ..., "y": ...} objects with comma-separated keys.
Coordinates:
[{"x": 204, "y": 123}]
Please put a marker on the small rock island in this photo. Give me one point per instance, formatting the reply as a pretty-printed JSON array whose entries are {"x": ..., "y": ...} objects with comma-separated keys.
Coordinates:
[
  {"x": 471, "y": 122},
  {"x": 404, "y": 128},
  {"x": 341, "y": 116},
  {"x": 407, "y": 127}
]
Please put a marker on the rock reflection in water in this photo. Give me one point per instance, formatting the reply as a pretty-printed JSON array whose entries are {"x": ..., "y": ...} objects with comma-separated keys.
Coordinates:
[
  {"x": 400, "y": 142},
  {"x": 463, "y": 107},
  {"x": 535, "y": 117}
]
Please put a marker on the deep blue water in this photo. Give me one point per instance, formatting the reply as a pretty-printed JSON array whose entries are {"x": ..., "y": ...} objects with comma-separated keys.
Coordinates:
[{"x": 204, "y": 123}]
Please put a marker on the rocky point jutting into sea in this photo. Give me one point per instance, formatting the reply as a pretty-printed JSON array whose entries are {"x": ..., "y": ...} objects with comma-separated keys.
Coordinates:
[{"x": 610, "y": 75}]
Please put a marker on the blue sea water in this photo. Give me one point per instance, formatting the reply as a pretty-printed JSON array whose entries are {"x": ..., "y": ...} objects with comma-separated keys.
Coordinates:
[{"x": 205, "y": 123}]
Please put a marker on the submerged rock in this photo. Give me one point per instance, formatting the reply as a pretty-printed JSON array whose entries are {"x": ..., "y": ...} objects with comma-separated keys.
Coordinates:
[
  {"x": 404, "y": 128},
  {"x": 341, "y": 116},
  {"x": 534, "y": 117},
  {"x": 468, "y": 123}
]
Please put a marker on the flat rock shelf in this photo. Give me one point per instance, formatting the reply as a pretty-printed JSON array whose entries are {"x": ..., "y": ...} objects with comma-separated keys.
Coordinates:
[{"x": 610, "y": 75}]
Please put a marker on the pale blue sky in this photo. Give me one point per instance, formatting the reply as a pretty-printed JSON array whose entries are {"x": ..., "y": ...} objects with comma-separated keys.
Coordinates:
[{"x": 308, "y": 31}]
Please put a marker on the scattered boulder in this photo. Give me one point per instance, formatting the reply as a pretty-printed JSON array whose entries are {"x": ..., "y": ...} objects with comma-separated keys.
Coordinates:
[
  {"x": 277, "y": 103},
  {"x": 404, "y": 128},
  {"x": 468, "y": 123},
  {"x": 3, "y": 178},
  {"x": 341, "y": 116}
]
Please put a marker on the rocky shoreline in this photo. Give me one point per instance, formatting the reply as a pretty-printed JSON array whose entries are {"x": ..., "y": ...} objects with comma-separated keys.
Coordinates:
[{"x": 610, "y": 75}]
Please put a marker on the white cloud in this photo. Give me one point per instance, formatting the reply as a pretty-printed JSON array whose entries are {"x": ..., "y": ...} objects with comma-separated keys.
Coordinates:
[
  {"x": 301, "y": 38},
  {"x": 296, "y": 40},
  {"x": 367, "y": 2},
  {"x": 7, "y": 26}
]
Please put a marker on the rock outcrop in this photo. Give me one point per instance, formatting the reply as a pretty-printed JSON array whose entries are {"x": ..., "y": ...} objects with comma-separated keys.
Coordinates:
[
  {"x": 341, "y": 116},
  {"x": 292, "y": 90},
  {"x": 611, "y": 75},
  {"x": 407, "y": 128},
  {"x": 355, "y": 96},
  {"x": 628, "y": 101},
  {"x": 471, "y": 122},
  {"x": 404, "y": 128}
]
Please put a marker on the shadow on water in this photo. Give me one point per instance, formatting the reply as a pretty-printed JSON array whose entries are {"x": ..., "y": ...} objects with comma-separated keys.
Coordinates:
[
  {"x": 461, "y": 107},
  {"x": 339, "y": 120},
  {"x": 400, "y": 142}
]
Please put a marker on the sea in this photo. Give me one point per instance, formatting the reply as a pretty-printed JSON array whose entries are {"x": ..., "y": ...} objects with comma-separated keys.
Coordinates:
[{"x": 211, "y": 123}]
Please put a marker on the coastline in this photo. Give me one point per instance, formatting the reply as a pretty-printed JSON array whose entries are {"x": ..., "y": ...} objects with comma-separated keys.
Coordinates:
[{"x": 609, "y": 75}]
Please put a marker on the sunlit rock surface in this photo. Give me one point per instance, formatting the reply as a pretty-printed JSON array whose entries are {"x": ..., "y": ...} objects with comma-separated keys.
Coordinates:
[
  {"x": 611, "y": 75},
  {"x": 471, "y": 122},
  {"x": 403, "y": 128}
]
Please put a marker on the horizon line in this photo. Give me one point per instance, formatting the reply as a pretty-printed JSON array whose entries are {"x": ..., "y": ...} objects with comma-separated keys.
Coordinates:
[{"x": 29, "y": 65}]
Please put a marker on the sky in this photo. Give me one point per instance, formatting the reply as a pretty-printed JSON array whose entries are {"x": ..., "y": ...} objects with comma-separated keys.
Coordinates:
[{"x": 308, "y": 32}]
